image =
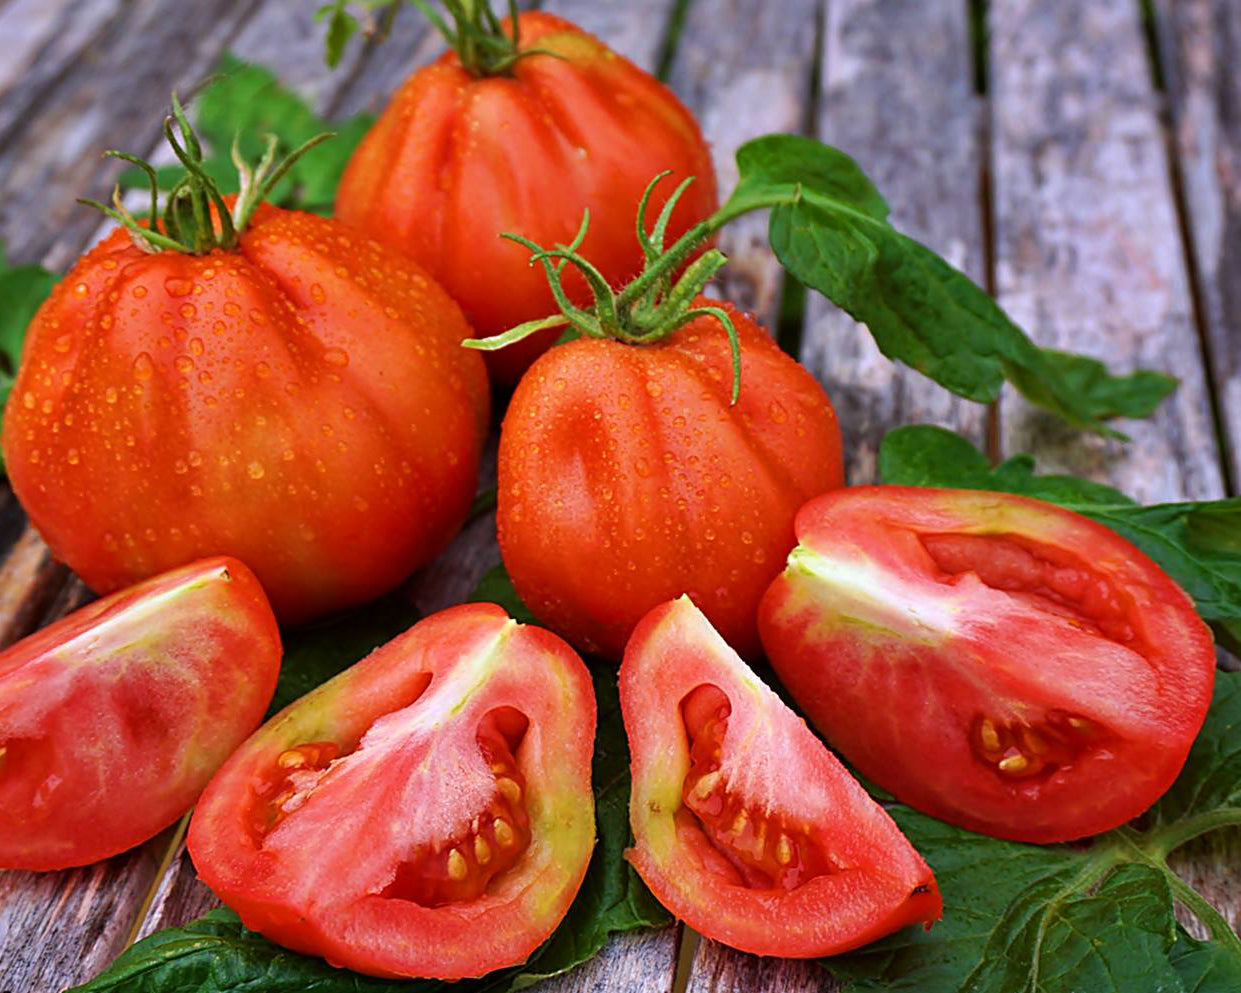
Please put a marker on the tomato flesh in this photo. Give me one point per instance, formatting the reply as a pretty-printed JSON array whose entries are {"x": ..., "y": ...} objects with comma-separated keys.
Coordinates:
[
  {"x": 113, "y": 719},
  {"x": 744, "y": 824},
  {"x": 997, "y": 662},
  {"x": 436, "y": 792}
]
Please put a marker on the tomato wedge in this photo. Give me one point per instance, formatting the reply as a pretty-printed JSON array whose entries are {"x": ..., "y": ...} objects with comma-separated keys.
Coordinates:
[
  {"x": 745, "y": 825},
  {"x": 114, "y": 718},
  {"x": 997, "y": 662},
  {"x": 428, "y": 812}
]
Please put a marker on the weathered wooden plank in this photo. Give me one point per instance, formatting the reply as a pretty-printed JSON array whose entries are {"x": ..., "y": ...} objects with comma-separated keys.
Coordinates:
[
  {"x": 1200, "y": 49},
  {"x": 1088, "y": 256},
  {"x": 719, "y": 969},
  {"x": 629, "y": 963},
  {"x": 745, "y": 70},
  {"x": 897, "y": 95},
  {"x": 55, "y": 155}
]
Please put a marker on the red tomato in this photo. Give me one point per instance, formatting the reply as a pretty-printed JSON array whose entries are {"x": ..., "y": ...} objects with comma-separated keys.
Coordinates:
[
  {"x": 301, "y": 403},
  {"x": 428, "y": 812},
  {"x": 745, "y": 825},
  {"x": 113, "y": 719},
  {"x": 994, "y": 661},
  {"x": 626, "y": 479},
  {"x": 457, "y": 159}
]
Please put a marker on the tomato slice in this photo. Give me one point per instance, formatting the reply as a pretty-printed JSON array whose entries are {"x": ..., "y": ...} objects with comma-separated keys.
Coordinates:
[
  {"x": 994, "y": 661},
  {"x": 428, "y": 812},
  {"x": 745, "y": 825},
  {"x": 114, "y": 718}
]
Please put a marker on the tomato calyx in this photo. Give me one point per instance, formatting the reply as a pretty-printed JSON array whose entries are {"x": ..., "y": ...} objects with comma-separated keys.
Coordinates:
[
  {"x": 196, "y": 219},
  {"x": 648, "y": 309},
  {"x": 479, "y": 38},
  {"x": 765, "y": 851}
]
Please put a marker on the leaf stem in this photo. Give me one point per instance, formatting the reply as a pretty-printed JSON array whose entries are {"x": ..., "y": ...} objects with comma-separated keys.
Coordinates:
[
  {"x": 1216, "y": 923},
  {"x": 1165, "y": 840}
]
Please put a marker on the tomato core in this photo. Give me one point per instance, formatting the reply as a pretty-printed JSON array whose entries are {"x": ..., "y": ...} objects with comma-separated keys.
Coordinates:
[{"x": 766, "y": 852}]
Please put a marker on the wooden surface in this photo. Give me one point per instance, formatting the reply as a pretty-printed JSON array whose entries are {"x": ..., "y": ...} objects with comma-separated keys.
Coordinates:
[{"x": 1112, "y": 235}]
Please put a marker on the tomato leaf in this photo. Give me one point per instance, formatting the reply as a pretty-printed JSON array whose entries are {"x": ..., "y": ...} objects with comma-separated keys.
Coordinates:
[
  {"x": 22, "y": 290},
  {"x": 216, "y": 954},
  {"x": 1024, "y": 918},
  {"x": 340, "y": 28},
  {"x": 247, "y": 102},
  {"x": 829, "y": 228},
  {"x": 1197, "y": 543}
]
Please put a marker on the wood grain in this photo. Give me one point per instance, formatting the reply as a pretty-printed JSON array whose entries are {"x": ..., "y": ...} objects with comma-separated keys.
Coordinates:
[
  {"x": 719, "y": 969},
  {"x": 1087, "y": 247},
  {"x": 897, "y": 95},
  {"x": 1200, "y": 45},
  {"x": 745, "y": 70},
  {"x": 1088, "y": 258}
]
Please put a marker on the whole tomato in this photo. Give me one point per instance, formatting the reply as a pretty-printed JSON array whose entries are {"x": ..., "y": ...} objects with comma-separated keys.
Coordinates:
[
  {"x": 459, "y": 157},
  {"x": 300, "y": 402},
  {"x": 626, "y": 479}
]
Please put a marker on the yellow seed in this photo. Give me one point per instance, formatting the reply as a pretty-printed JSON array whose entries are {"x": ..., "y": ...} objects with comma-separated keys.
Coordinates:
[
  {"x": 1079, "y": 724},
  {"x": 739, "y": 823},
  {"x": 706, "y": 785},
  {"x": 509, "y": 789},
  {"x": 482, "y": 851},
  {"x": 292, "y": 759},
  {"x": 990, "y": 737},
  {"x": 760, "y": 840},
  {"x": 498, "y": 768},
  {"x": 784, "y": 850},
  {"x": 457, "y": 868},
  {"x": 504, "y": 832},
  {"x": 1033, "y": 741},
  {"x": 1014, "y": 763}
]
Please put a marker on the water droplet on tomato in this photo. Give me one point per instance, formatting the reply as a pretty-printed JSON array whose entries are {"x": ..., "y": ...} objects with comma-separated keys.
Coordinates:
[
  {"x": 178, "y": 287},
  {"x": 642, "y": 467},
  {"x": 654, "y": 389},
  {"x": 28, "y": 400},
  {"x": 81, "y": 290},
  {"x": 73, "y": 457},
  {"x": 255, "y": 470},
  {"x": 110, "y": 394},
  {"x": 316, "y": 293},
  {"x": 139, "y": 293},
  {"x": 776, "y": 411},
  {"x": 262, "y": 370},
  {"x": 194, "y": 458},
  {"x": 336, "y": 357},
  {"x": 188, "y": 310},
  {"x": 184, "y": 364}
]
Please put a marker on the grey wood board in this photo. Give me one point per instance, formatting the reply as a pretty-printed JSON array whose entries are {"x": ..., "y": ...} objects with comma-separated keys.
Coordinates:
[
  {"x": 1200, "y": 46},
  {"x": 897, "y": 95},
  {"x": 1088, "y": 256},
  {"x": 719, "y": 969},
  {"x": 745, "y": 70}
]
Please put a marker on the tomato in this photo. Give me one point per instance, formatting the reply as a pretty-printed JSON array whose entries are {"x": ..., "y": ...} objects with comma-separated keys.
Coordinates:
[
  {"x": 427, "y": 812},
  {"x": 300, "y": 402},
  {"x": 745, "y": 826},
  {"x": 626, "y": 479},
  {"x": 997, "y": 662},
  {"x": 457, "y": 158},
  {"x": 114, "y": 718}
]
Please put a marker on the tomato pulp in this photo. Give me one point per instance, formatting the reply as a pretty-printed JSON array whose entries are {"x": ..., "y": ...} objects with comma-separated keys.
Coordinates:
[
  {"x": 998, "y": 662},
  {"x": 745, "y": 825},
  {"x": 635, "y": 454},
  {"x": 428, "y": 812},
  {"x": 456, "y": 159},
  {"x": 114, "y": 718},
  {"x": 301, "y": 402}
]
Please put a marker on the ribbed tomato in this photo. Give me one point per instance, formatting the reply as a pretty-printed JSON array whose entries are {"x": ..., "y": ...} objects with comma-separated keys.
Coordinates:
[
  {"x": 457, "y": 158},
  {"x": 627, "y": 479},
  {"x": 427, "y": 812},
  {"x": 745, "y": 825},
  {"x": 300, "y": 402},
  {"x": 113, "y": 719},
  {"x": 997, "y": 662}
]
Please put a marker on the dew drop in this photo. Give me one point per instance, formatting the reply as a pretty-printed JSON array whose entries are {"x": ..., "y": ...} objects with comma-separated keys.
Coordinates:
[
  {"x": 255, "y": 470},
  {"x": 776, "y": 411},
  {"x": 178, "y": 287},
  {"x": 110, "y": 394},
  {"x": 262, "y": 370},
  {"x": 336, "y": 357},
  {"x": 73, "y": 457}
]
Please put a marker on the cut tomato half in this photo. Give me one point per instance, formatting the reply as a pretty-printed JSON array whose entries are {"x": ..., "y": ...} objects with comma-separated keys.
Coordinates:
[
  {"x": 997, "y": 662},
  {"x": 428, "y": 812},
  {"x": 113, "y": 719},
  {"x": 745, "y": 825}
]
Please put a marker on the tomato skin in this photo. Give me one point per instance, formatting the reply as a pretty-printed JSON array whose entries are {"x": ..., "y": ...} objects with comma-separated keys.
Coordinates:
[
  {"x": 772, "y": 761},
  {"x": 301, "y": 403},
  {"x": 997, "y": 662},
  {"x": 634, "y": 453},
  {"x": 314, "y": 883},
  {"x": 114, "y": 718},
  {"x": 455, "y": 160}
]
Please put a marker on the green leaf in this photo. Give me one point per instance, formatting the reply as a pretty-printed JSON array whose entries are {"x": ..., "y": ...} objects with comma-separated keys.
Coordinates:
[
  {"x": 341, "y": 27},
  {"x": 22, "y": 290},
  {"x": 829, "y": 228},
  {"x": 1197, "y": 543},
  {"x": 216, "y": 954},
  {"x": 248, "y": 103}
]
